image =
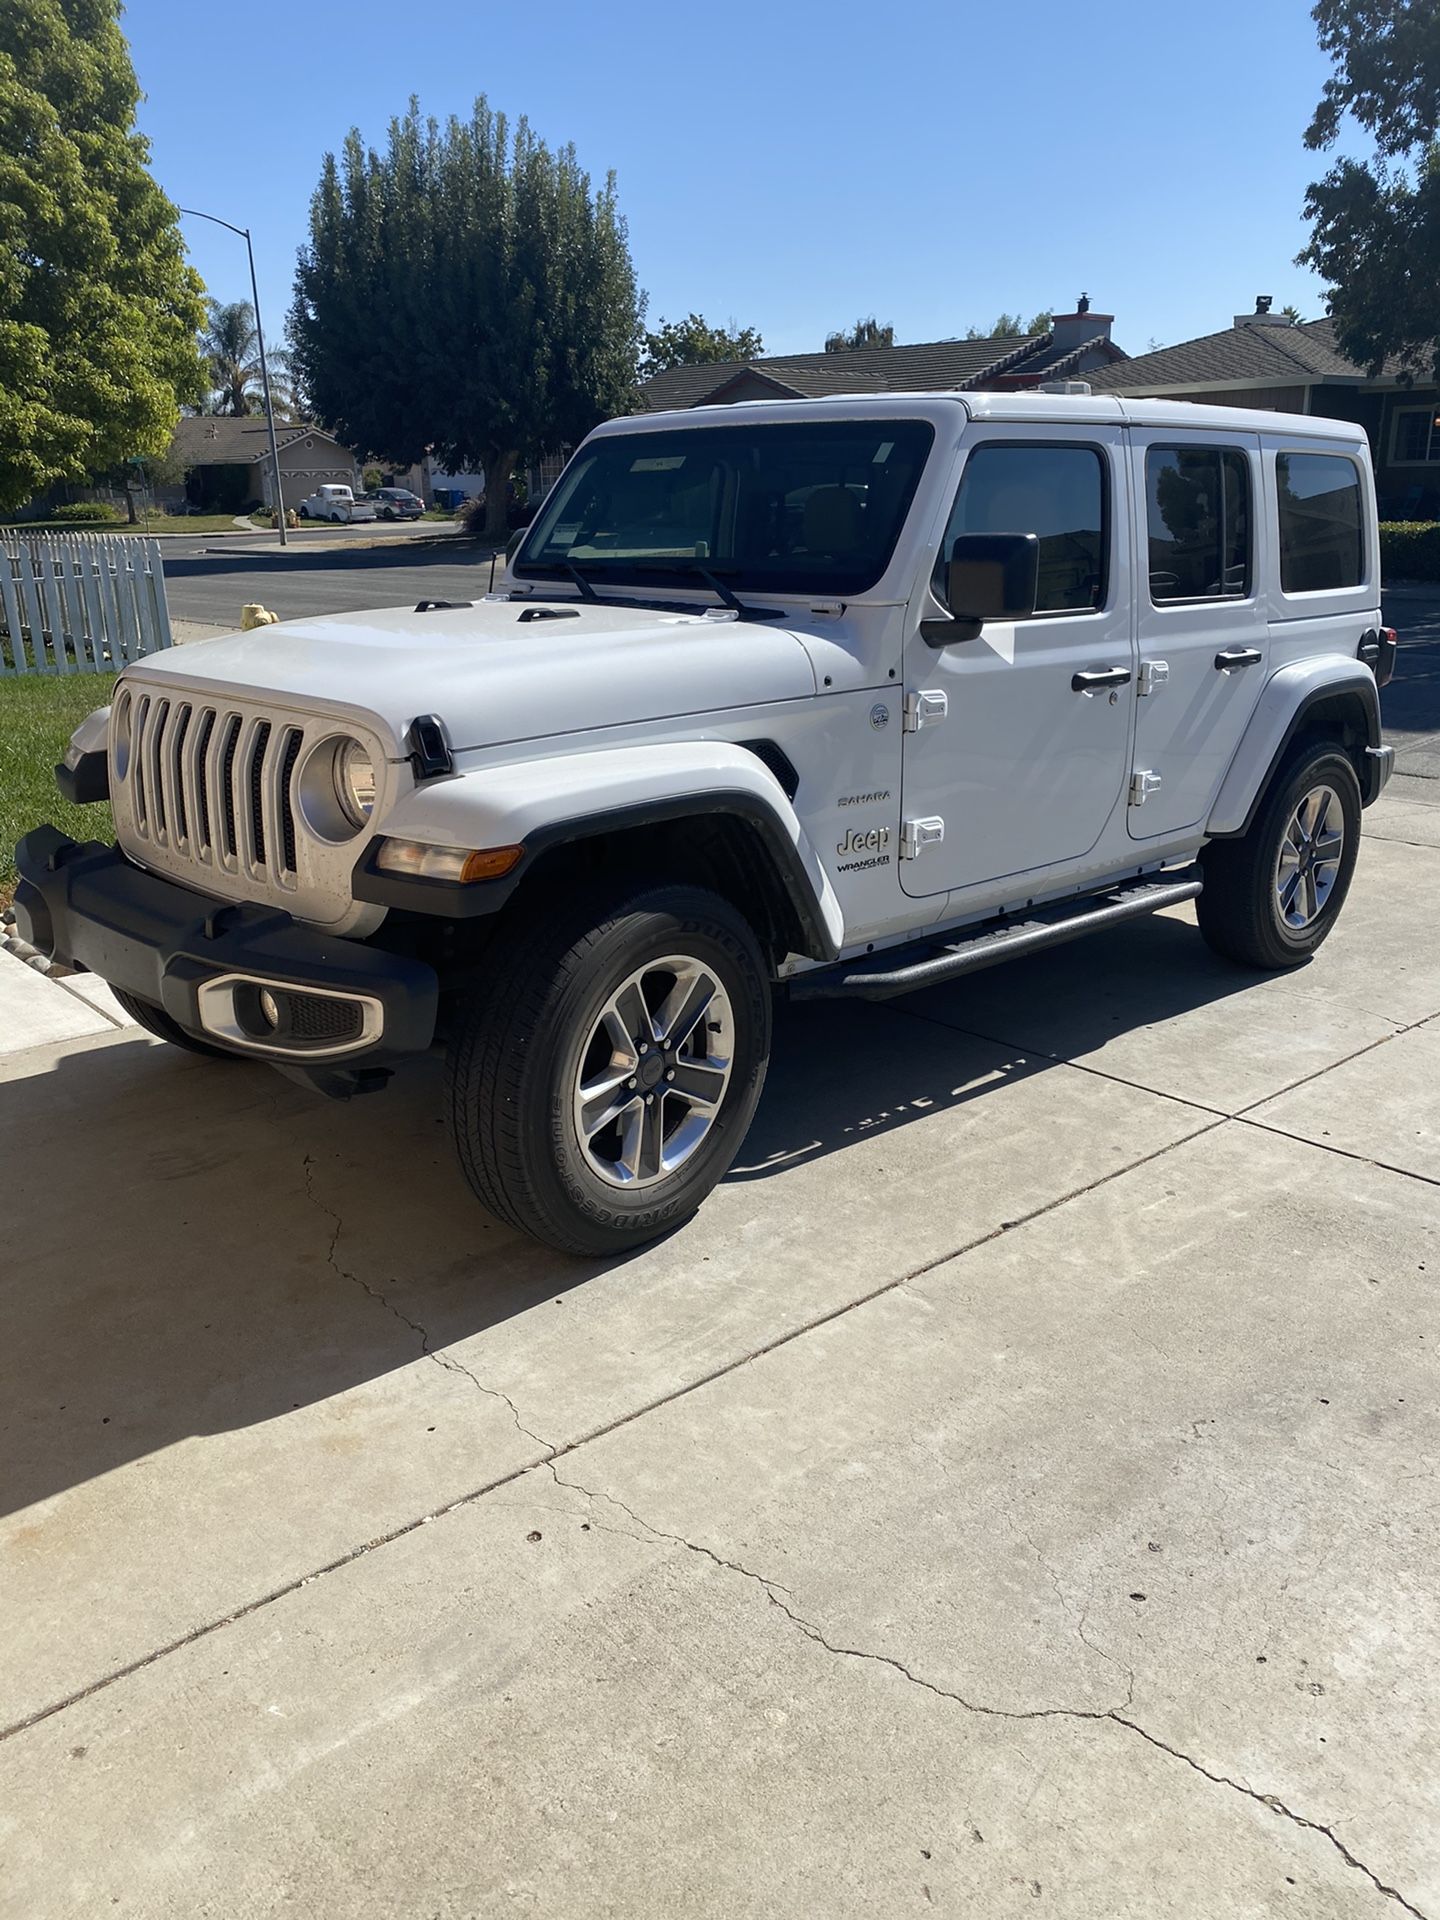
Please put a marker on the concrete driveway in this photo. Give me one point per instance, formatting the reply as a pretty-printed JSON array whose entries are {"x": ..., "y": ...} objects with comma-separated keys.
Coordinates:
[{"x": 1014, "y": 1494}]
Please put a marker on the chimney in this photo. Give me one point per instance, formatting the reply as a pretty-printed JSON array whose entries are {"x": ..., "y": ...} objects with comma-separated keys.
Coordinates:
[
  {"x": 1071, "y": 330},
  {"x": 1262, "y": 316}
]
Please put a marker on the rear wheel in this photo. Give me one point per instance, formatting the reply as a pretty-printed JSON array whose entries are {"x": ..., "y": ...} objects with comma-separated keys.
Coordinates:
[
  {"x": 601, "y": 1086},
  {"x": 1272, "y": 896},
  {"x": 155, "y": 1020}
]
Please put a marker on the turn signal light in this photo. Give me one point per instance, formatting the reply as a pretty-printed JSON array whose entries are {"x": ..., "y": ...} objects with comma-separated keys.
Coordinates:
[{"x": 461, "y": 865}]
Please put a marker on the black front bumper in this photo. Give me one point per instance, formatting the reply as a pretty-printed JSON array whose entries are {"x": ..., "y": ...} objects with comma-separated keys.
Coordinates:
[{"x": 87, "y": 906}]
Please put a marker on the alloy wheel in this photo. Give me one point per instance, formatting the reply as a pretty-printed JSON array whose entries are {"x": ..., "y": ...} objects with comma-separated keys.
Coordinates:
[
  {"x": 1308, "y": 862},
  {"x": 653, "y": 1072}
]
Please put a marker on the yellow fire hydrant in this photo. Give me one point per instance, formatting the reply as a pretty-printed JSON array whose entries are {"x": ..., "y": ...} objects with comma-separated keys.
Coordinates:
[{"x": 252, "y": 614}]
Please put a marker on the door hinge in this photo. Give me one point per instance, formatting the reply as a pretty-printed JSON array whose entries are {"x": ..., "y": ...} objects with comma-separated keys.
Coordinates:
[
  {"x": 1142, "y": 785},
  {"x": 924, "y": 709},
  {"x": 916, "y": 835},
  {"x": 1153, "y": 674}
]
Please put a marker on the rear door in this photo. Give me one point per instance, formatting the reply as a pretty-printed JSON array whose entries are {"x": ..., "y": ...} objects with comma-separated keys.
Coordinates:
[{"x": 1201, "y": 540}]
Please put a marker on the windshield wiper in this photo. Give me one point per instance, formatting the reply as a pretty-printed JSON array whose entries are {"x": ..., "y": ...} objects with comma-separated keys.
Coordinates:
[
  {"x": 587, "y": 592},
  {"x": 711, "y": 577},
  {"x": 689, "y": 569}
]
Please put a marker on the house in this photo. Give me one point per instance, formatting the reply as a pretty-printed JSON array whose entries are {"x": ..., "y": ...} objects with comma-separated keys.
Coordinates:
[
  {"x": 1264, "y": 360},
  {"x": 227, "y": 466},
  {"x": 1076, "y": 346}
]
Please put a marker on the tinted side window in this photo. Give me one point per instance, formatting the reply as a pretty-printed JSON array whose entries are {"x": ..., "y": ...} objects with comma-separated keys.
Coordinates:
[
  {"x": 1198, "y": 508},
  {"x": 1057, "y": 492},
  {"x": 1320, "y": 527}
]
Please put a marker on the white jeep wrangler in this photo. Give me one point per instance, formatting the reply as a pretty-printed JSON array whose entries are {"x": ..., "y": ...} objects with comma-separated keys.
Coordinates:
[{"x": 837, "y": 698}]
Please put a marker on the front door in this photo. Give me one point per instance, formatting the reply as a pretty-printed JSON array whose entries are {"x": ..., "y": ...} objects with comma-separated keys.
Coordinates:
[
  {"x": 1022, "y": 742},
  {"x": 1201, "y": 617}
]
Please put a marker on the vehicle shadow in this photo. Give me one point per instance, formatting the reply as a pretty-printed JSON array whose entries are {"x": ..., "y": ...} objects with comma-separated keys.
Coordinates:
[{"x": 194, "y": 1246}]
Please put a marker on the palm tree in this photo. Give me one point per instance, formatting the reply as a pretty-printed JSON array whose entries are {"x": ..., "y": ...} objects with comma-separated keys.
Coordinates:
[{"x": 230, "y": 345}]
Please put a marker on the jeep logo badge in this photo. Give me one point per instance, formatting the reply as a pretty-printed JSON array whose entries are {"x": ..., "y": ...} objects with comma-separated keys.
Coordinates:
[{"x": 879, "y": 716}]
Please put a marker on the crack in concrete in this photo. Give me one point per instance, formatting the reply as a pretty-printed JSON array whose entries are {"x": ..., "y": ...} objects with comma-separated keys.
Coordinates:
[
  {"x": 440, "y": 1355},
  {"x": 1080, "y": 1618},
  {"x": 772, "y": 1589},
  {"x": 1115, "y": 1716}
]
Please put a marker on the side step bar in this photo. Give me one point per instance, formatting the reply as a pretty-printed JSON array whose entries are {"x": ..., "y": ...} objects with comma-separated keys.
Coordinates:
[{"x": 903, "y": 970}]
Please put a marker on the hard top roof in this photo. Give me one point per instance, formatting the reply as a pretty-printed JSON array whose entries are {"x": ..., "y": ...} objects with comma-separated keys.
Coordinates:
[{"x": 1067, "y": 409}]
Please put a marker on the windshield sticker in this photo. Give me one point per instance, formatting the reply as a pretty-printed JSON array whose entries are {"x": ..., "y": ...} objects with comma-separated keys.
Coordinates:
[
  {"x": 883, "y": 453},
  {"x": 658, "y": 463}
]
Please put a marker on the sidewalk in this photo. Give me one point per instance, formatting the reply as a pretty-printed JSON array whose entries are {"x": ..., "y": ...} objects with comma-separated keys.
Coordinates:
[
  {"x": 36, "y": 1007},
  {"x": 1012, "y": 1495}
]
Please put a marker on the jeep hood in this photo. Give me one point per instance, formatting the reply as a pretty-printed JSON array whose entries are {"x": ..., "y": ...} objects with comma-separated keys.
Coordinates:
[{"x": 494, "y": 676}]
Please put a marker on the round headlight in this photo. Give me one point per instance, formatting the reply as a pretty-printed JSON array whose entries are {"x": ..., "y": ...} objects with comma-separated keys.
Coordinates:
[{"x": 354, "y": 781}]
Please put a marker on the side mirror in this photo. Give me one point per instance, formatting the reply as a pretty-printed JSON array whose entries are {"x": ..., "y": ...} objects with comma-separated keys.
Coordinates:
[
  {"x": 512, "y": 545},
  {"x": 988, "y": 576}
]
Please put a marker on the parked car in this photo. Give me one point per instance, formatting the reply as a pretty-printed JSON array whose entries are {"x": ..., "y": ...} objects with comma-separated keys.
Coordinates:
[
  {"x": 834, "y": 699},
  {"x": 336, "y": 503},
  {"x": 396, "y": 503}
]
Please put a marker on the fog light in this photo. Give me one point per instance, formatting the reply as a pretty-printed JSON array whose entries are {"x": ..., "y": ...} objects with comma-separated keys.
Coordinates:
[{"x": 269, "y": 1006}]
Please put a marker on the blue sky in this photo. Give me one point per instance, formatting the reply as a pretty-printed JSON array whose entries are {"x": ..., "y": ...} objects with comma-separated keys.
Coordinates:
[{"x": 794, "y": 166}]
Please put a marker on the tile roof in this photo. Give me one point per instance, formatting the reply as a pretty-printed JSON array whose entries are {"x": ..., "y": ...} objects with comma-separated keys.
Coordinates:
[
  {"x": 223, "y": 440},
  {"x": 1272, "y": 356},
  {"x": 932, "y": 367}
]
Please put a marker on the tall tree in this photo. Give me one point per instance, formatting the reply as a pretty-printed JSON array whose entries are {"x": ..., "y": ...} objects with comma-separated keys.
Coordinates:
[
  {"x": 98, "y": 310},
  {"x": 1375, "y": 232},
  {"x": 1009, "y": 326},
  {"x": 864, "y": 333},
  {"x": 466, "y": 292},
  {"x": 693, "y": 342},
  {"x": 230, "y": 347}
]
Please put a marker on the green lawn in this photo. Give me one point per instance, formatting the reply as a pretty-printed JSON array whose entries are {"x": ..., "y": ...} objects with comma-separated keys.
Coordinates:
[{"x": 38, "y": 713}]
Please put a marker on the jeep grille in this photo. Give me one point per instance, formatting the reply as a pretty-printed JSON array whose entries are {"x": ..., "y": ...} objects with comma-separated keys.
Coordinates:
[
  {"x": 212, "y": 785},
  {"x": 205, "y": 790}
]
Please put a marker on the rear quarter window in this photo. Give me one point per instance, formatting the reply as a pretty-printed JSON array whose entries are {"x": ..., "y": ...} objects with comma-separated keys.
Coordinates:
[{"x": 1322, "y": 527}]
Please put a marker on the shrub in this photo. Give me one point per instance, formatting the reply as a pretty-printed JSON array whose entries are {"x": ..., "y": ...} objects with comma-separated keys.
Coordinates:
[
  {"x": 1410, "y": 550},
  {"x": 97, "y": 513},
  {"x": 471, "y": 514}
]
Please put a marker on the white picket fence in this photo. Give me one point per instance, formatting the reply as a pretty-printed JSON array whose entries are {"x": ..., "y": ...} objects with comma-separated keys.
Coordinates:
[{"x": 79, "y": 602}]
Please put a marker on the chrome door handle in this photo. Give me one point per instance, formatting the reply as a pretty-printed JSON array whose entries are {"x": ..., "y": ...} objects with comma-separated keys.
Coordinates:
[
  {"x": 1095, "y": 679},
  {"x": 1230, "y": 657}
]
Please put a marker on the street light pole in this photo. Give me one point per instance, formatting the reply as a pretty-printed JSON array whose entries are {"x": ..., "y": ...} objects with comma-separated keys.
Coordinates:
[{"x": 244, "y": 233}]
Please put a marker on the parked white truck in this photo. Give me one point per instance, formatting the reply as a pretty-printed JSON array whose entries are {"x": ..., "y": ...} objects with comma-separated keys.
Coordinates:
[
  {"x": 832, "y": 698},
  {"x": 336, "y": 502}
]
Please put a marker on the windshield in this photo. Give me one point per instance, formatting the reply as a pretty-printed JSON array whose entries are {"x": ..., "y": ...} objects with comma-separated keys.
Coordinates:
[{"x": 798, "y": 507}]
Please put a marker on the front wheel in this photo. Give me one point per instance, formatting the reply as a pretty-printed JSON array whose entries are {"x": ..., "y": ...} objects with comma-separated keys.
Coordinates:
[
  {"x": 601, "y": 1085},
  {"x": 1273, "y": 895}
]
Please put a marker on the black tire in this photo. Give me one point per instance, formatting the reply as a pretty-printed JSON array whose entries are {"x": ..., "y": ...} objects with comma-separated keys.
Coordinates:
[
  {"x": 1239, "y": 912},
  {"x": 520, "y": 1046},
  {"x": 155, "y": 1020}
]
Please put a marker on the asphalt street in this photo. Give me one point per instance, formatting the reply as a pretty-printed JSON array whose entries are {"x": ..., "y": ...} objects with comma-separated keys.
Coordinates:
[
  {"x": 211, "y": 579},
  {"x": 1411, "y": 703}
]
